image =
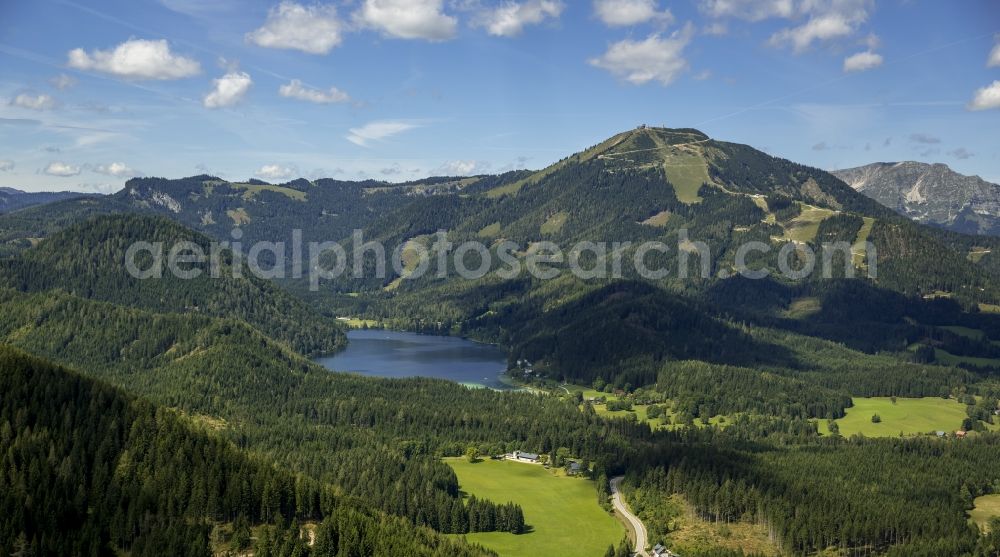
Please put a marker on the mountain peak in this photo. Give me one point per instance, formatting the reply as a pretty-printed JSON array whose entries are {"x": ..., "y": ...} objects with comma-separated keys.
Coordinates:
[{"x": 932, "y": 193}]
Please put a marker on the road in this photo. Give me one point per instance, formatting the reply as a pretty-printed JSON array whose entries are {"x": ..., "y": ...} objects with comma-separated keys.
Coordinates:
[{"x": 637, "y": 526}]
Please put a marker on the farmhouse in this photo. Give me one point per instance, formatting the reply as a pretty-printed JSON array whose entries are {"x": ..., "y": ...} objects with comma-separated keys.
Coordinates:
[
  {"x": 574, "y": 468},
  {"x": 660, "y": 551},
  {"x": 525, "y": 457}
]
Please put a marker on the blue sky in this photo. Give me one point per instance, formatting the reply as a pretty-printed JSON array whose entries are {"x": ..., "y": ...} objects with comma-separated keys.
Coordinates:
[{"x": 92, "y": 93}]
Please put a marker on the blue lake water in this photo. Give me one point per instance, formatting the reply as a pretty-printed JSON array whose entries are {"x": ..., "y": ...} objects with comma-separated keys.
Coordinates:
[{"x": 398, "y": 354}]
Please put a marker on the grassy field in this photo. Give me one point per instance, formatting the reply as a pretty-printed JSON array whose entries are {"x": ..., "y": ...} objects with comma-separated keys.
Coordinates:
[
  {"x": 804, "y": 227},
  {"x": 950, "y": 359},
  {"x": 985, "y": 508},
  {"x": 977, "y": 254},
  {"x": 490, "y": 230},
  {"x": 803, "y": 308},
  {"x": 687, "y": 172},
  {"x": 358, "y": 323},
  {"x": 911, "y": 416},
  {"x": 974, "y": 334},
  {"x": 859, "y": 249},
  {"x": 562, "y": 512},
  {"x": 667, "y": 421},
  {"x": 658, "y": 220},
  {"x": 554, "y": 223},
  {"x": 254, "y": 189}
]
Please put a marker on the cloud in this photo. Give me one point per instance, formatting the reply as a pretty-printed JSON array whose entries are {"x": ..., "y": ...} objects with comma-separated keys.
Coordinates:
[
  {"x": 715, "y": 29},
  {"x": 622, "y": 13},
  {"x": 816, "y": 29},
  {"x": 296, "y": 90},
  {"x": 105, "y": 189},
  {"x": 994, "y": 59},
  {"x": 393, "y": 170},
  {"x": 925, "y": 139},
  {"x": 510, "y": 19},
  {"x": 136, "y": 59},
  {"x": 63, "y": 81},
  {"x": 821, "y": 146},
  {"x": 408, "y": 19},
  {"x": 461, "y": 168},
  {"x": 655, "y": 58},
  {"x": 228, "y": 90},
  {"x": 61, "y": 169},
  {"x": 313, "y": 29},
  {"x": 826, "y": 20},
  {"x": 986, "y": 98},
  {"x": 6, "y": 165},
  {"x": 752, "y": 10},
  {"x": 34, "y": 102},
  {"x": 276, "y": 172},
  {"x": 961, "y": 153},
  {"x": 377, "y": 131},
  {"x": 703, "y": 75},
  {"x": 862, "y": 61},
  {"x": 116, "y": 169}
]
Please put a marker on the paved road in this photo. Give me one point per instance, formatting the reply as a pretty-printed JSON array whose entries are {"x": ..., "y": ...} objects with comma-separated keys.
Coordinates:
[{"x": 637, "y": 526}]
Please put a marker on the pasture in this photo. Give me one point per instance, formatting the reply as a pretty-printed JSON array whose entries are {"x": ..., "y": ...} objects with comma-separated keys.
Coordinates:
[
  {"x": 562, "y": 512},
  {"x": 909, "y": 416}
]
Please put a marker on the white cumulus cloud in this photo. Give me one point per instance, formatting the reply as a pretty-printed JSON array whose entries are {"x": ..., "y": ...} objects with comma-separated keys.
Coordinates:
[
  {"x": 296, "y": 90},
  {"x": 136, "y": 59},
  {"x": 313, "y": 29},
  {"x": 61, "y": 169},
  {"x": 862, "y": 61},
  {"x": 275, "y": 172},
  {"x": 820, "y": 28},
  {"x": 826, "y": 20},
  {"x": 986, "y": 98},
  {"x": 377, "y": 131},
  {"x": 116, "y": 169},
  {"x": 655, "y": 58},
  {"x": 753, "y": 10},
  {"x": 994, "y": 59},
  {"x": 510, "y": 19},
  {"x": 408, "y": 19},
  {"x": 621, "y": 13},
  {"x": 228, "y": 90},
  {"x": 6, "y": 165},
  {"x": 34, "y": 102}
]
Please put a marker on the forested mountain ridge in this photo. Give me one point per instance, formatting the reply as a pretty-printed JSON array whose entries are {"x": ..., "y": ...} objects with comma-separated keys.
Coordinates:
[
  {"x": 378, "y": 440},
  {"x": 930, "y": 193},
  {"x": 645, "y": 184},
  {"x": 89, "y": 470},
  {"x": 88, "y": 259},
  {"x": 13, "y": 199},
  {"x": 650, "y": 184}
]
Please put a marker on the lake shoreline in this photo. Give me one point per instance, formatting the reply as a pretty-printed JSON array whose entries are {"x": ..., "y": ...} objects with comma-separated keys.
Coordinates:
[{"x": 395, "y": 354}]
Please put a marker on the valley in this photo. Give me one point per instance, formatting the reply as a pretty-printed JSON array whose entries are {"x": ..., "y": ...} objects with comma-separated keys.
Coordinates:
[
  {"x": 711, "y": 398},
  {"x": 499, "y": 278}
]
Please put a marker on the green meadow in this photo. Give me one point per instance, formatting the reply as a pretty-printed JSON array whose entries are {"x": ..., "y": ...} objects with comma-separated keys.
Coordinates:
[
  {"x": 909, "y": 416},
  {"x": 985, "y": 508},
  {"x": 561, "y": 512}
]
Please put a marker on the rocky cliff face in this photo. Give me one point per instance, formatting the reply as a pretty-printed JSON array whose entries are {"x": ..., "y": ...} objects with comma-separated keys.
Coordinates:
[{"x": 931, "y": 194}]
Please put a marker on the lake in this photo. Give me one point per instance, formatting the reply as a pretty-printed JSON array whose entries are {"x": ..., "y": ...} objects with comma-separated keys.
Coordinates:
[{"x": 397, "y": 354}]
